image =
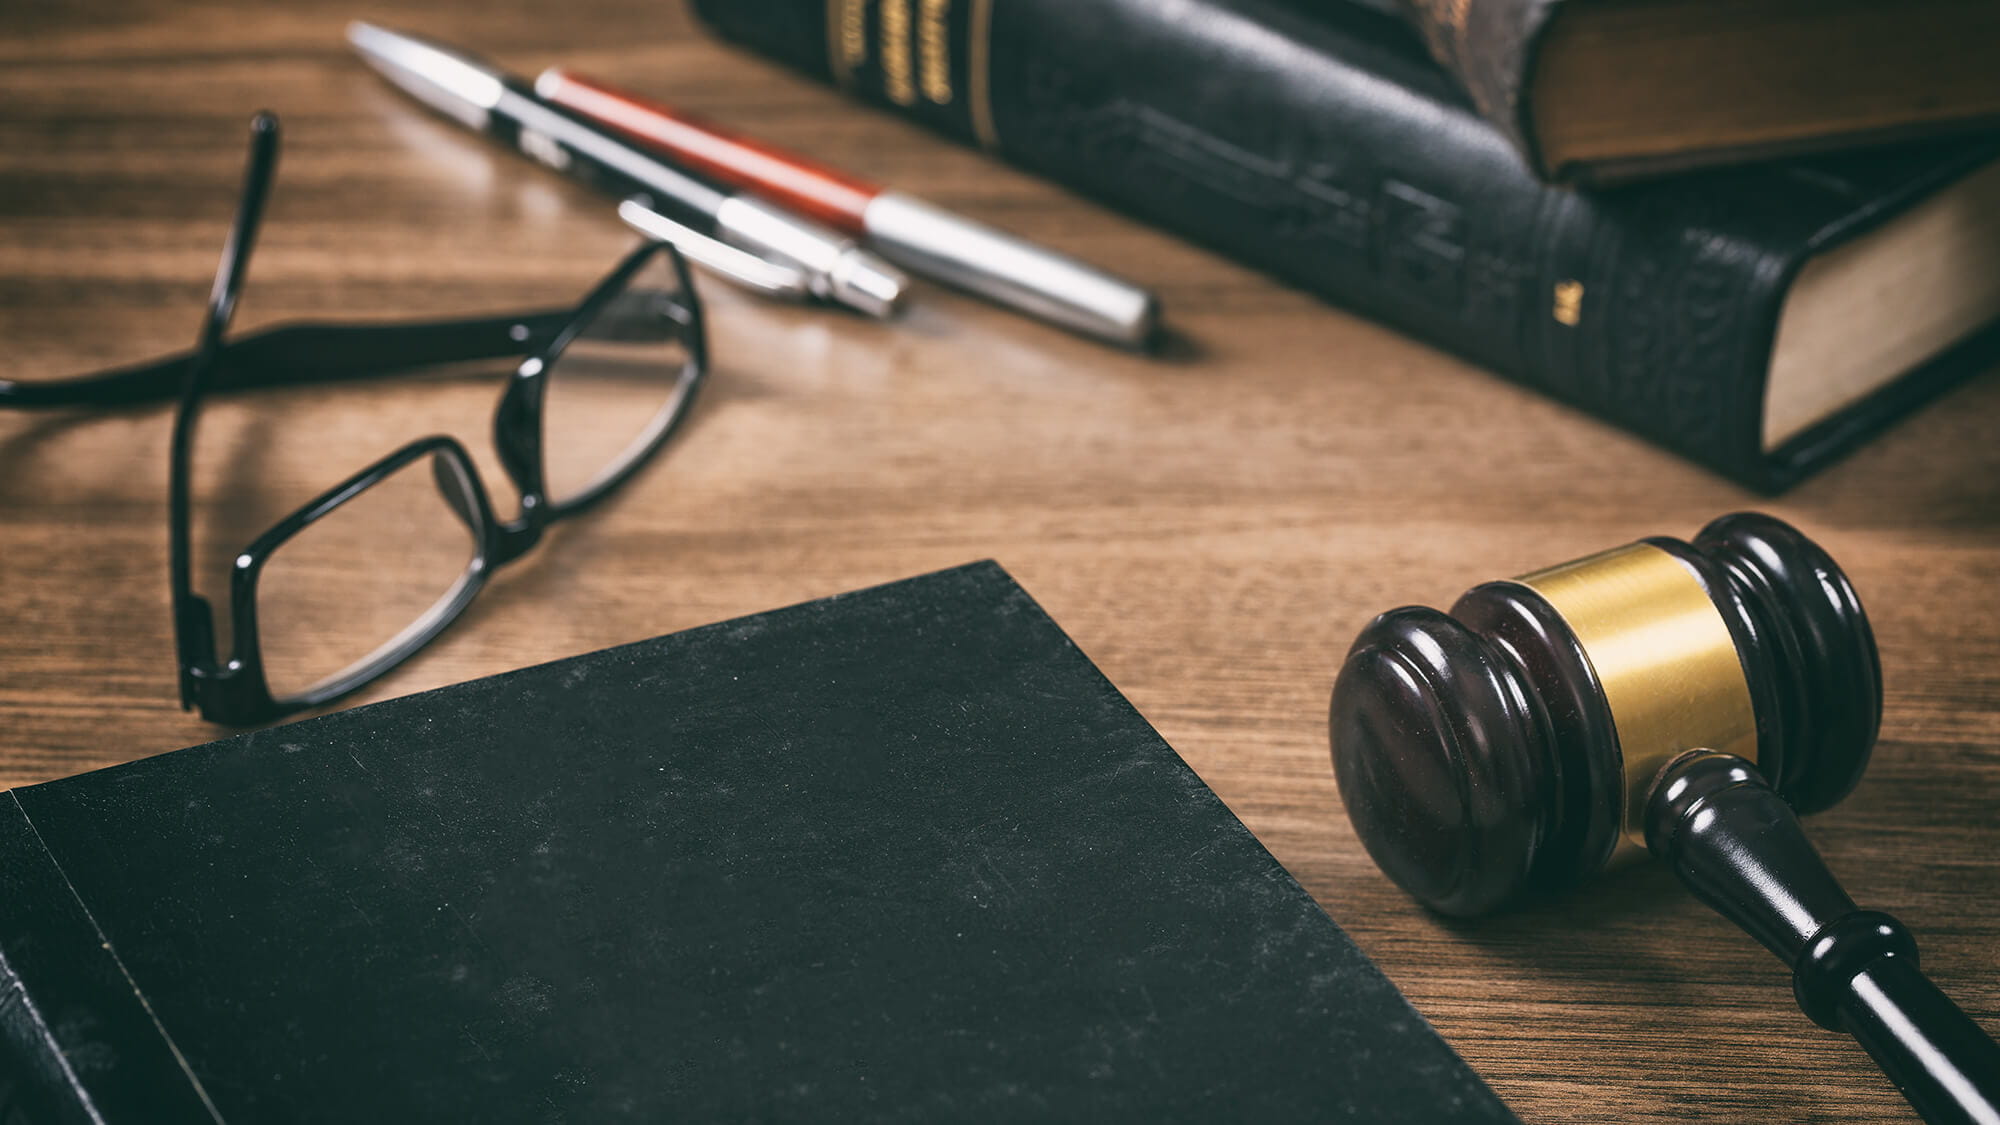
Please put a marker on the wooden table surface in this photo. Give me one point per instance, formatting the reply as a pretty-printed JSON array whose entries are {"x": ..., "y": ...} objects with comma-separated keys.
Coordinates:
[{"x": 1212, "y": 528}]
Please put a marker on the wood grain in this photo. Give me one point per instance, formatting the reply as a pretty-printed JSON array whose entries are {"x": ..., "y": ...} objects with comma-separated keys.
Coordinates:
[{"x": 1211, "y": 528}]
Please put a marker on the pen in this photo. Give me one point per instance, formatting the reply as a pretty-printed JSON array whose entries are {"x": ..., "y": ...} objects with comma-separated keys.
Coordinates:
[
  {"x": 925, "y": 239},
  {"x": 708, "y": 221}
]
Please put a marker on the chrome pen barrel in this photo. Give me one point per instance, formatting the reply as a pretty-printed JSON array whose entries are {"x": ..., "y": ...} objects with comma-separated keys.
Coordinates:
[{"x": 955, "y": 250}]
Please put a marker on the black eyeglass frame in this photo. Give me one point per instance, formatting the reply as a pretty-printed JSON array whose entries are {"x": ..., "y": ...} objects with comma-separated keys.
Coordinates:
[{"x": 236, "y": 692}]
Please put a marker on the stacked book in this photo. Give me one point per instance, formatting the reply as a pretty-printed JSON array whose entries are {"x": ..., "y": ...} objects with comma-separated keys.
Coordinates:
[{"x": 1753, "y": 231}]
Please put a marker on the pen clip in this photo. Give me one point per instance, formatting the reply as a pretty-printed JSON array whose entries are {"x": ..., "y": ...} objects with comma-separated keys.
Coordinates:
[{"x": 744, "y": 268}]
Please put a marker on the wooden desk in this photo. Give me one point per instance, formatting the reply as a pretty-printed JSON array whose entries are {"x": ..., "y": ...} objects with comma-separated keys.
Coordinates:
[{"x": 1211, "y": 530}]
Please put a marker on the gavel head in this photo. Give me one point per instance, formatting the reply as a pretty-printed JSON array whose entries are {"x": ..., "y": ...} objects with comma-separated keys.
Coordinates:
[{"x": 1505, "y": 751}]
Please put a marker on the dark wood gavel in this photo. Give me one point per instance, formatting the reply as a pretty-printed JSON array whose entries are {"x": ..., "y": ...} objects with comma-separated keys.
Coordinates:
[{"x": 1683, "y": 699}]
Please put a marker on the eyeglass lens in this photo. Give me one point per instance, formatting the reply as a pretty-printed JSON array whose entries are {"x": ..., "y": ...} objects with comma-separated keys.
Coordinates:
[
  {"x": 358, "y": 586},
  {"x": 623, "y": 380}
]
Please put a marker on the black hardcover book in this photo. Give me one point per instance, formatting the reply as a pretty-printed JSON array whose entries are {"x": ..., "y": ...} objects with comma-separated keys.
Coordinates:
[
  {"x": 901, "y": 854},
  {"x": 1760, "y": 321}
]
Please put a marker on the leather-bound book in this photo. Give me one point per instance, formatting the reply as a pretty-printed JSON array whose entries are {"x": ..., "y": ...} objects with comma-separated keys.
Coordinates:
[
  {"x": 1759, "y": 320},
  {"x": 902, "y": 854},
  {"x": 1604, "y": 90}
]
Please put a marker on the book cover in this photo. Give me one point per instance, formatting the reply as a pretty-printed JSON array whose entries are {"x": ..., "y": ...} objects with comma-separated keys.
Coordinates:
[
  {"x": 899, "y": 854},
  {"x": 1325, "y": 147}
]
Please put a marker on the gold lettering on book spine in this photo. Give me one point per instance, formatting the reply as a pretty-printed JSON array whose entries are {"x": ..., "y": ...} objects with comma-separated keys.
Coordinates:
[
  {"x": 846, "y": 38},
  {"x": 898, "y": 77},
  {"x": 979, "y": 73},
  {"x": 934, "y": 50},
  {"x": 1568, "y": 307}
]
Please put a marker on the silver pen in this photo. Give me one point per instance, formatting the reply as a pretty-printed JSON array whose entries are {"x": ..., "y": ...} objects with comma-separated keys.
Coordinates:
[
  {"x": 925, "y": 239},
  {"x": 737, "y": 235}
]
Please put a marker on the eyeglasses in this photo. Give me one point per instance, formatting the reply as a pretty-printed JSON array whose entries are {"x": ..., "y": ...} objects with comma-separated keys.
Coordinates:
[{"x": 603, "y": 387}]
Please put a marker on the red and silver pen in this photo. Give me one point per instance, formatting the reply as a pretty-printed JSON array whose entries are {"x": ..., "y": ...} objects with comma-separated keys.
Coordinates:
[{"x": 918, "y": 236}]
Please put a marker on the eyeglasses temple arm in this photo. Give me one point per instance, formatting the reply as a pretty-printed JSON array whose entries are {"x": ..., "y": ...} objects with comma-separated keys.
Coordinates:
[
  {"x": 194, "y": 624},
  {"x": 296, "y": 354}
]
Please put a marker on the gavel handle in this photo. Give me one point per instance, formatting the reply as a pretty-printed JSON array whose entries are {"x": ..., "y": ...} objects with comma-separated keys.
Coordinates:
[{"x": 1737, "y": 845}]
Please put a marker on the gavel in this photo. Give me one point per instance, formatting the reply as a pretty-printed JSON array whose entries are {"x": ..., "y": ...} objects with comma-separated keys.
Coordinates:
[{"x": 1683, "y": 699}]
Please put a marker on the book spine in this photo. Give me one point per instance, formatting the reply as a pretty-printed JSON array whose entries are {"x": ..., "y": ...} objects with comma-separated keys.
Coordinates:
[
  {"x": 1489, "y": 47},
  {"x": 38, "y": 1083},
  {"x": 1331, "y": 152},
  {"x": 77, "y": 1045}
]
